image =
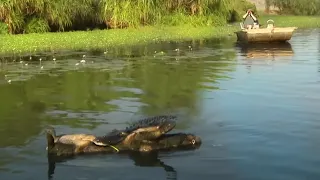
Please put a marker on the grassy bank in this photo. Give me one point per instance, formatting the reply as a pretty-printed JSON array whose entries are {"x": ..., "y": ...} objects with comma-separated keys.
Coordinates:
[
  {"x": 291, "y": 20},
  {"x": 140, "y": 20},
  {"x": 102, "y": 39}
]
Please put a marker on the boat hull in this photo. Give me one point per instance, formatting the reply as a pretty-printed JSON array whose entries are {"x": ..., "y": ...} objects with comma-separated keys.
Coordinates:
[{"x": 265, "y": 35}]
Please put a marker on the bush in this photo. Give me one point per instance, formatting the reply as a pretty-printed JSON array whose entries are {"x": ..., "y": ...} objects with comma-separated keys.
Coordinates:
[
  {"x": 36, "y": 25},
  {"x": 3, "y": 28},
  {"x": 296, "y": 7},
  {"x": 29, "y": 16}
]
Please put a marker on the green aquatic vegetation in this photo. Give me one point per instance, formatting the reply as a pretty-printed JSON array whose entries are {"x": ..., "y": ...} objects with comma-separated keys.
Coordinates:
[{"x": 102, "y": 39}]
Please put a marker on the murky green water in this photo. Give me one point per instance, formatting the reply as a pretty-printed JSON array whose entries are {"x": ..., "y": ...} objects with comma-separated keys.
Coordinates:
[{"x": 256, "y": 110}]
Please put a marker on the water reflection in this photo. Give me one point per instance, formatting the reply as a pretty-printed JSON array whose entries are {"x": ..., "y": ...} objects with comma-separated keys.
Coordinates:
[
  {"x": 18, "y": 113},
  {"x": 139, "y": 159},
  {"x": 105, "y": 92},
  {"x": 264, "y": 53},
  {"x": 153, "y": 160},
  {"x": 266, "y": 50},
  {"x": 265, "y": 119}
]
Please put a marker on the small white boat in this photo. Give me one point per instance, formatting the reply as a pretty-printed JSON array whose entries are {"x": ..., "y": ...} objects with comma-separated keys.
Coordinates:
[{"x": 268, "y": 34}]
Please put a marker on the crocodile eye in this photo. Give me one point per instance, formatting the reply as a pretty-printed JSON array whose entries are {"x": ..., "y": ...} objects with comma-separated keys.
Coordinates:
[{"x": 193, "y": 141}]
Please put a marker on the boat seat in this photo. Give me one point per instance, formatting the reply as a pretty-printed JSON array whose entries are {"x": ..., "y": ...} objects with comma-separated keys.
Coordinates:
[
  {"x": 241, "y": 25},
  {"x": 270, "y": 24}
]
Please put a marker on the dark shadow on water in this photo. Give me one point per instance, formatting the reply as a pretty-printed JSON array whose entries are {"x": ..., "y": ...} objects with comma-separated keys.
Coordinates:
[
  {"x": 264, "y": 50},
  {"x": 139, "y": 159}
]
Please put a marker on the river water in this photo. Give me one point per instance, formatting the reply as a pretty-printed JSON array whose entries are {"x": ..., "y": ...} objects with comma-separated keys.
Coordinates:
[{"x": 256, "y": 109}]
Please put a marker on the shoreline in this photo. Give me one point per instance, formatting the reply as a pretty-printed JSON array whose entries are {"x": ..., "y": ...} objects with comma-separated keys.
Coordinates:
[{"x": 102, "y": 39}]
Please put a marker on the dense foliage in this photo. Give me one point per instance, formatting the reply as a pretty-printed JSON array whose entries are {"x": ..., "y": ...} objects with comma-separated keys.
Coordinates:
[
  {"x": 28, "y": 16},
  {"x": 297, "y": 7}
]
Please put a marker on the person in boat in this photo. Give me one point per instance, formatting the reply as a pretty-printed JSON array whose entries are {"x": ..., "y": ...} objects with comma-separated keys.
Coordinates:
[{"x": 250, "y": 21}]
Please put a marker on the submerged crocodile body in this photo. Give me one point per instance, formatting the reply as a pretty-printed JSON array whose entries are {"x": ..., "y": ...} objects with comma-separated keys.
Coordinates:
[{"x": 149, "y": 134}]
